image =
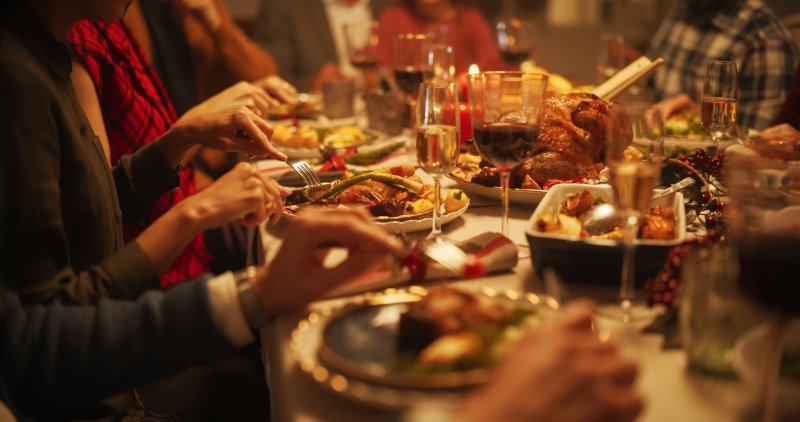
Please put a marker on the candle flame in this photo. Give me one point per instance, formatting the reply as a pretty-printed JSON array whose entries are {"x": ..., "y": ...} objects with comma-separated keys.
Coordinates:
[{"x": 473, "y": 69}]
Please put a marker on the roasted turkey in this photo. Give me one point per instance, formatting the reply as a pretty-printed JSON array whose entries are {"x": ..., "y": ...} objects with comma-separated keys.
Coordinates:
[{"x": 571, "y": 138}]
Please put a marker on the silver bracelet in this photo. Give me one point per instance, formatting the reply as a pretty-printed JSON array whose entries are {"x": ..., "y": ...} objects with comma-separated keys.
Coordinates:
[{"x": 253, "y": 311}]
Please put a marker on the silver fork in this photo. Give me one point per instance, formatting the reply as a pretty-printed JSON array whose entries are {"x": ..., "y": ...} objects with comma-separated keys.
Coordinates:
[
  {"x": 446, "y": 253},
  {"x": 305, "y": 171}
]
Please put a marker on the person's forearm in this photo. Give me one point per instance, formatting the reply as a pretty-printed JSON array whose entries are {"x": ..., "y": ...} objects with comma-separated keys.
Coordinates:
[{"x": 164, "y": 240}]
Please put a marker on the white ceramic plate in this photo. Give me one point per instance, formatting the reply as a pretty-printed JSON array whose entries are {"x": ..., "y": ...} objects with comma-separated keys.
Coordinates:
[
  {"x": 670, "y": 144},
  {"x": 307, "y": 338},
  {"x": 515, "y": 196},
  {"x": 314, "y": 152}
]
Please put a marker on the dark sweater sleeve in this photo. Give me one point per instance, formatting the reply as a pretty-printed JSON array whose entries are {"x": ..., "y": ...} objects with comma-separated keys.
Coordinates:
[
  {"x": 141, "y": 178},
  {"x": 790, "y": 111},
  {"x": 69, "y": 357}
]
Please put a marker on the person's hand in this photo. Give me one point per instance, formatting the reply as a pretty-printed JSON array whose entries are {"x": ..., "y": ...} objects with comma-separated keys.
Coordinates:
[
  {"x": 243, "y": 194},
  {"x": 205, "y": 10},
  {"x": 242, "y": 94},
  {"x": 675, "y": 104},
  {"x": 328, "y": 72},
  {"x": 231, "y": 130},
  {"x": 559, "y": 372},
  {"x": 278, "y": 88},
  {"x": 781, "y": 132},
  {"x": 297, "y": 275}
]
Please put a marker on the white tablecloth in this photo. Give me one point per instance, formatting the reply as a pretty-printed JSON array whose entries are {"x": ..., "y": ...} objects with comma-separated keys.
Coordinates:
[{"x": 671, "y": 392}]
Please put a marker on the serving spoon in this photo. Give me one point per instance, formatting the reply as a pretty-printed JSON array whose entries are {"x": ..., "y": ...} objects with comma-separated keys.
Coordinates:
[{"x": 602, "y": 218}]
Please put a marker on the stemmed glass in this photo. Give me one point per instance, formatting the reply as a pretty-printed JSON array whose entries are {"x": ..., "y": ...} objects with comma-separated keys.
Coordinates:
[
  {"x": 612, "y": 56},
  {"x": 515, "y": 38},
  {"x": 633, "y": 176},
  {"x": 362, "y": 42},
  {"x": 720, "y": 90},
  {"x": 505, "y": 109},
  {"x": 437, "y": 137},
  {"x": 408, "y": 66},
  {"x": 438, "y": 63}
]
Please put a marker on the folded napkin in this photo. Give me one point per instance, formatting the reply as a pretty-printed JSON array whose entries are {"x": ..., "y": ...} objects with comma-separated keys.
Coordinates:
[{"x": 489, "y": 253}]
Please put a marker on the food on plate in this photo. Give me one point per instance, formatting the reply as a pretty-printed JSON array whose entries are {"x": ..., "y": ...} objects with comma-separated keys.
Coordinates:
[
  {"x": 686, "y": 125},
  {"x": 306, "y": 106},
  {"x": 451, "y": 329},
  {"x": 302, "y": 136},
  {"x": 386, "y": 192},
  {"x": 569, "y": 146},
  {"x": 658, "y": 223},
  {"x": 455, "y": 200}
]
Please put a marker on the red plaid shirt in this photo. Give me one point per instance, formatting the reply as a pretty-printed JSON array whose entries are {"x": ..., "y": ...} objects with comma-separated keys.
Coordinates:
[{"x": 136, "y": 110}]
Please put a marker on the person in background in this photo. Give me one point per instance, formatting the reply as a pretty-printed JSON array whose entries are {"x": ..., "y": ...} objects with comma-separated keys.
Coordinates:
[
  {"x": 306, "y": 38},
  {"x": 196, "y": 48},
  {"x": 449, "y": 22},
  {"x": 745, "y": 31}
]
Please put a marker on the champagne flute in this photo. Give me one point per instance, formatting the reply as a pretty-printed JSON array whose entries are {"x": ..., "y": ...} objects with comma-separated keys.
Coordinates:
[
  {"x": 362, "y": 42},
  {"x": 720, "y": 91},
  {"x": 633, "y": 176},
  {"x": 438, "y": 63},
  {"x": 505, "y": 109},
  {"x": 437, "y": 137},
  {"x": 515, "y": 38}
]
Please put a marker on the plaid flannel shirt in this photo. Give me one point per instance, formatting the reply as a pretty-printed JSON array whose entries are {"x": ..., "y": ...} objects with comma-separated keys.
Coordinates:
[
  {"x": 136, "y": 110},
  {"x": 746, "y": 32}
]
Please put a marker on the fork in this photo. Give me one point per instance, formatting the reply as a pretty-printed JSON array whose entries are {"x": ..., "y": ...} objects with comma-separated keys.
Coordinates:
[
  {"x": 445, "y": 253},
  {"x": 305, "y": 171}
]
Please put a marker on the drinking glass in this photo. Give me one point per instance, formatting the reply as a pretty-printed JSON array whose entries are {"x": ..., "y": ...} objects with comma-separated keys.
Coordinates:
[
  {"x": 438, "y": 63},
  {"x": 437, "y": 137},
  {"x": 515, "y": 38},
  {"x": 612, "y": 56},
  {"x": 766, "y": 236},
  {"x": 720, "y": 91},
  {"x": 505, "y": 109},
  {"x": 633, "y": 175},
  {"x": 408, "y": 65},
  {"x": 361, "y": 39}
]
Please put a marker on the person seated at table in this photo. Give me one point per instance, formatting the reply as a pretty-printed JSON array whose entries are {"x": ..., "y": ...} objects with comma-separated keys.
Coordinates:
[
  {"x": 745, "y": 31},
  {"x": 67, "y": 206},
  {"x": 307, "y": 40},
  {"x": 559, "y": 371},
  {"x": 448, "y": 22},
  {"x": 128, "y": 108}
]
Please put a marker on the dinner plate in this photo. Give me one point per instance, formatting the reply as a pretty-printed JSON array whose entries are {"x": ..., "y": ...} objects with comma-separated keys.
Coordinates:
[
  {"x": 404, "y": 223},
  {"x": 688, "y": 144},
  {"x": 516, "y": 196},
  {"x": 292, "y": 152},
  {"x": 360, "y": 333}
]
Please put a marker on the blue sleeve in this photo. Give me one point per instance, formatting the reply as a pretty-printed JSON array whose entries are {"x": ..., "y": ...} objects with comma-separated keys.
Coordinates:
[{"x": 69, "y": 356}]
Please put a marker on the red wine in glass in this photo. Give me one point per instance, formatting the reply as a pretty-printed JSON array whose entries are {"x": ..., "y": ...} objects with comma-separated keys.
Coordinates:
[
  {"x": 514, "y": 57},
  {"x": 505, "y": 144},
  {"x": 408, "y": 80},
  {"x": 769, "y": 271},
  {"x": 364, "y": 63}
]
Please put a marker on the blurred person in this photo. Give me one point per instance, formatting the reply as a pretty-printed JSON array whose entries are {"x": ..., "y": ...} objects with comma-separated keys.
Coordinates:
[
  {"x": 67, "y": 205},
  {"x": 450, "y": 22},
  {"x": 790, "y": 111},
  {"x": 196, "y": 48},
  {"x": 306, "y": 38},
  {"x": 745, "y": 31},
  {"x": 128, "y": 108}
]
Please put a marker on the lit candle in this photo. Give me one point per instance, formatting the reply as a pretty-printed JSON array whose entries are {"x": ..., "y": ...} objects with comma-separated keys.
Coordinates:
[{"x": 463, "y": 107}]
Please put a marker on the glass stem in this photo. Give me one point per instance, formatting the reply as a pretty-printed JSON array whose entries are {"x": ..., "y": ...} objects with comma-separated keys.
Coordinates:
[
  {"x": 504, "y": 179},
  {"x": 627, "y": 292},
  {"x": 772, "y": 367},
  {"x": 436, "y": 231}
]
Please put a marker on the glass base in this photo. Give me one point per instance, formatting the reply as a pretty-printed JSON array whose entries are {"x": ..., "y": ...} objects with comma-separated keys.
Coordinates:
[{"x": 628, "y": 312}]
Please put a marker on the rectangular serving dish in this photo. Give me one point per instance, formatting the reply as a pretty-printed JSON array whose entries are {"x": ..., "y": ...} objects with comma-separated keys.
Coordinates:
[{"x": 597, "y": 261}]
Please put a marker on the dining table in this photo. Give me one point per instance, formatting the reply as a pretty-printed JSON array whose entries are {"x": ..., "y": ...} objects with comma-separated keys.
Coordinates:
[{"x": 671, "y": 391}]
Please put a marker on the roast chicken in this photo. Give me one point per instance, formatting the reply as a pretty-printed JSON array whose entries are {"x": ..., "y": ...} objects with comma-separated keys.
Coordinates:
[{"x": 571, "y": 138}]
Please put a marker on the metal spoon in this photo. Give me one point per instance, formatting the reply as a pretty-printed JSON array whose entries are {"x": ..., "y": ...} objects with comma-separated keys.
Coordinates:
[{"x": 602, "y": 218}]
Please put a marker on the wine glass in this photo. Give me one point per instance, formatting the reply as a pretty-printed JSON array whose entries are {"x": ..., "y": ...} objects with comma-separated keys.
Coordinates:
[
  {"x": 363, "y": 51},
  {"x": 633, "y": 175},
  {"x": 720, "y": 91},
  {"x": 505, "y": 109},
  {"x": 408, "y": 66},
  {"x": 515, "y": 38},
  {"x": 437, "y": 137},
  {"x": 438, "y": 63},
  {"x": 767, "y": 239},
  {"x": 612, "y": 56}
]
